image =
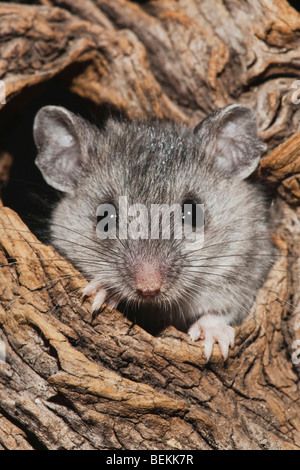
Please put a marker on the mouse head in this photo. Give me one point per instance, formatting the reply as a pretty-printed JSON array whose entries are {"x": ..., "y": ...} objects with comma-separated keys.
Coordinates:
[{"x": 153, "y": 163}]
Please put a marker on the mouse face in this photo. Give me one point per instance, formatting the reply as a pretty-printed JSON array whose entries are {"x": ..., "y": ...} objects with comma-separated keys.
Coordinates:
[{"x": 111, "y": 180}]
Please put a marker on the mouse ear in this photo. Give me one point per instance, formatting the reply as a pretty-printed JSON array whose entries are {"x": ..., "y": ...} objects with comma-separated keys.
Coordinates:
[
  {"x": 230, "y": 137},
  {"x": 57, "y": 134}
]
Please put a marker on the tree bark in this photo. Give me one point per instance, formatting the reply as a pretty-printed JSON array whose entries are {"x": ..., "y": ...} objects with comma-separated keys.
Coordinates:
[{"x": 69, "y": 380}]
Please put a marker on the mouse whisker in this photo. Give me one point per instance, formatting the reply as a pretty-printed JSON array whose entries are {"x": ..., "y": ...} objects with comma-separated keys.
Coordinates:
[
  {"x": 58, "y": 304},
  {"x": 254, "y": 289},
  {"x": 45, "y": 285},
  {"x": 88, "y": 238}
]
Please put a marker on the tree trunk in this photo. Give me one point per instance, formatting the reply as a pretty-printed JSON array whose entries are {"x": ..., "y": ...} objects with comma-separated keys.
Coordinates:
[{"x": 69, "y": 380}]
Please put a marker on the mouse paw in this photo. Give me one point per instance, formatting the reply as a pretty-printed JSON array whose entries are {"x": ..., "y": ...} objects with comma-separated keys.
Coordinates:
[
  {"x": 94, "y": 288},
  {"x": 213, "y": 329}
]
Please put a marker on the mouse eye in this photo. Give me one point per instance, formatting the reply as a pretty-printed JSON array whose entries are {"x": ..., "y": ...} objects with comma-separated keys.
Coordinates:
[{"x": 192, "y": 214}]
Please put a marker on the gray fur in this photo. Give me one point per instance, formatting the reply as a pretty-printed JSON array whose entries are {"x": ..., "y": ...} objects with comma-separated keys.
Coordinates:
[{"x": 160, "y": 162}]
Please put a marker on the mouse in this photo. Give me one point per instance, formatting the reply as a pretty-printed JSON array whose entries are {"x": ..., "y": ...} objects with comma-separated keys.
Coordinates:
[{"x": 208, "y": 282}]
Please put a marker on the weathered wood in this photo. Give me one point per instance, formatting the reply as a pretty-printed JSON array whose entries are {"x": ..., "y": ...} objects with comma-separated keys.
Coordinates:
[
  {"x": 283, "y": 166},
  {"x": 72, "y": 381},
  {"x": 45, "y": 41}
]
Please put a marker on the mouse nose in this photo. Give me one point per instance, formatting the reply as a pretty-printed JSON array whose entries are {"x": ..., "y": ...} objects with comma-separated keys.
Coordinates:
[
  {"x": 148, "y": 292},
  {"x": 148, "y": 280}
]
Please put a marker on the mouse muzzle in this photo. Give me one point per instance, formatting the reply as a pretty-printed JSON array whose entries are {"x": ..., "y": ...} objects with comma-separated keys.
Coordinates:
[{"x": 148, "y": 279}]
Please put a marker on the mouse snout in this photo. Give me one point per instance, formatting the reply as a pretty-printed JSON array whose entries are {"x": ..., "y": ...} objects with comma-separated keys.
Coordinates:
[{"x": 148, "y": 279}]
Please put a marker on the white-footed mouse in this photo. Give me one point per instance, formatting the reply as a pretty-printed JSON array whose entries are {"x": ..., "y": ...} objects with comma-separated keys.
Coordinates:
[{"x": 210, "y": 286}]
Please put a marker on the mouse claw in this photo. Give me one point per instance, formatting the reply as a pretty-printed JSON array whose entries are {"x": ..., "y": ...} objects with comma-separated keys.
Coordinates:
[
  {"x": 213, "y": 329},
  {"x": 91, "y": 288},
  {"x": 94, "y": 288},
  {"x": 99, "y": 300}
]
